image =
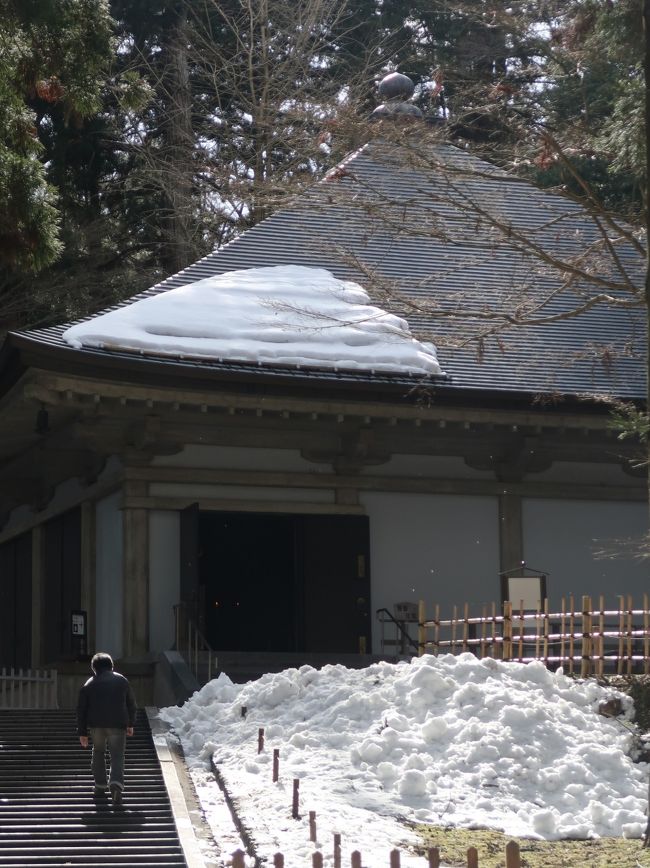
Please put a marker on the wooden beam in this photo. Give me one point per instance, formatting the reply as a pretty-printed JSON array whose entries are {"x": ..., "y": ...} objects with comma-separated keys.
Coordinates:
[
  {"x": 37, "y": 595},
  {"x": 240, "y": 505},
  {"x": 511, "y": 535},
  {"x": 88, "y": 571},
  {"x": 316, "y": 405},
  {"x": 136, "y": 574},
  {"x": 636, "y": 491}
]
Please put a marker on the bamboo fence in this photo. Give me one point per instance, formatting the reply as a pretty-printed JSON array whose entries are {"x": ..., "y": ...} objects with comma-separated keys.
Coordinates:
[
  {"x": 433, "y": 859},
  {"x": 585, "y": 640}
]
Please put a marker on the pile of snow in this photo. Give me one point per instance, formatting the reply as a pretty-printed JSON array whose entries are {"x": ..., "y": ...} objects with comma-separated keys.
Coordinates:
[
  {"x": 284, "y": 315},
  {"x": 443, "y": 740}
]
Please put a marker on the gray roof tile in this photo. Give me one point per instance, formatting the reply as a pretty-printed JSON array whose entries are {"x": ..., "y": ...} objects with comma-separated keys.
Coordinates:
[{"x": 419, "y": 232}]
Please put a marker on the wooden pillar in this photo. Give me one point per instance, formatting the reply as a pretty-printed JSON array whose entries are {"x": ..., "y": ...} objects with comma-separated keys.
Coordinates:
[
  {"x": 88, "y": 570},
  {"x": 511, "y": 543},
  {"x": 37, "y": 595},
  {"x": 136, "y": 573}
]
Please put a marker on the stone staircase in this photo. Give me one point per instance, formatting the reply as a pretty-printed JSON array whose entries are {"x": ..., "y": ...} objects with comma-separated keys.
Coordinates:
[{"x": 48, "y": 814}]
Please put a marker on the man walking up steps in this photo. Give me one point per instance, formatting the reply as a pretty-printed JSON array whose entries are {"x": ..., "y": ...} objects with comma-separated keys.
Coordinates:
[{"x": 106, "y": 708}]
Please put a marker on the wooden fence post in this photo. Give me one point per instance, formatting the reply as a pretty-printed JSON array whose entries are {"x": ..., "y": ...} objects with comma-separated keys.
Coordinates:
[
  {"x": 278, "y": 861},
  {"x": 472, "y": 858},
  {"x": 422, "y": 633},
  {"x": 260, "y": 739},
  {"x": 507, "y": 630},
  {"x": 394, "y": 859},
  {"x": 312, "y": 825},
  {"x": 296, "y": 799},
  {"x": 513, "y": 856},
  {"x": 317, "y": 860},
  {"x": 356, "y": 859},
  {"x": 434, "y": 857},
  {"x": 337, "y": 850},
  {"x": 585, "y": 667},
  {"x": 238, "y": 859},
  {"x": 276, "y": 764}
]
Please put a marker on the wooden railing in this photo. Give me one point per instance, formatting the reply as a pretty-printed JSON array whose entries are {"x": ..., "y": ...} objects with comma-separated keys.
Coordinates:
[
  {"x": 29, "y": 688},
  {"x": 585, "y": 640},
  {"x": 192, "y": 644}
]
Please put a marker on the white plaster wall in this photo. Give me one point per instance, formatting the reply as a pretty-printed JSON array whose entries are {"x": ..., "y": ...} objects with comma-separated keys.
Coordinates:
[
  {"x": 438, "y": 548},
  {"x": 240, "y": 458},
  {"x": 109, "y": 574},
  {"x": 164, "y": 577},
  {"x": 241, "y": 492},
  {"x": 563, "y": 538},
  {"x": 594, "y": 473},
  {"x": 427, "y": 466}
]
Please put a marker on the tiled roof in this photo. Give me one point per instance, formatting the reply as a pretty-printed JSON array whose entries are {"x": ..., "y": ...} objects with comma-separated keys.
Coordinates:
[{"x": 425, "y": 234}]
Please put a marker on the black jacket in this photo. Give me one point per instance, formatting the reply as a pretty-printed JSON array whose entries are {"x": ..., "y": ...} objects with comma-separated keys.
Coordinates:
[{"x": 105, "y": 700}]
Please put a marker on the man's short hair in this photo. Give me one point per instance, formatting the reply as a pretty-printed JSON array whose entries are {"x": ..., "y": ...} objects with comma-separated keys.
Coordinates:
[{"x": 101, "y": 662}]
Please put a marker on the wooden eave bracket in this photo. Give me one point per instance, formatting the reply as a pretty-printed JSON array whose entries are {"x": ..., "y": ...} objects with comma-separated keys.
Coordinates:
[{"x": 58, "y": 390}]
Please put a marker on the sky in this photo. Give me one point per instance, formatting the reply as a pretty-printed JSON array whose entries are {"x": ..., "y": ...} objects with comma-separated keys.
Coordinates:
[
  {"x": 448, "y": 740},
  {"x": 288, "y": 315}
]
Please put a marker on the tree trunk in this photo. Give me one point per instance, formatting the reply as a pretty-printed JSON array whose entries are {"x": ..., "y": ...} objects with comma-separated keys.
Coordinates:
[
  {"x": 646, "y": 63},
  {"x": 178, "y": 155}
]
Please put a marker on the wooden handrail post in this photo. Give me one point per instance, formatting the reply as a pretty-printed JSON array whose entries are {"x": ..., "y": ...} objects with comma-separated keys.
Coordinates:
[{"x": 434, "y": 857}]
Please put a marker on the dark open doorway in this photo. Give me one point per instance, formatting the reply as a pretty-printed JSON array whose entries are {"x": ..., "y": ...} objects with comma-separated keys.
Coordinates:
[
  {"x": 248, "y": 579},
  {"x": 278, "y": 582}
]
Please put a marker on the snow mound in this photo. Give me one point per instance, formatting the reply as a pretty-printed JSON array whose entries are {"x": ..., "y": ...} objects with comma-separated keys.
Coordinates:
[{"x": 446, "y": 740}]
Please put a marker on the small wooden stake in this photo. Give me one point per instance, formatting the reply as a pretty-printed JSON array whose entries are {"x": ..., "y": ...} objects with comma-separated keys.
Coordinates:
[
  {"x": 317, "y": 860},
  {"x": 513, "y": 856},
  {"x": 472, "y": 858},
  {"x": 276, "y": 764},
  {"x": 434, "y": 857},
  {"x": 356, "y": 859},
  {"x": 394, "y": 859},
  {"x": 296, "y": 798},
  {"x": 278, "y": 861},
  {"x": 337, "y": 850},
  {"x": 260, "y": 739},
  {"x": 238, "y": 859},
  {"x": 312, "y": 825}
]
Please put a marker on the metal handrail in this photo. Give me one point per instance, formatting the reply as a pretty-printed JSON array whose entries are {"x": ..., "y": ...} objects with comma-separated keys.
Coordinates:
[
  {"x": 405, "y": 633},
  {"x": 188, "y": 636}
]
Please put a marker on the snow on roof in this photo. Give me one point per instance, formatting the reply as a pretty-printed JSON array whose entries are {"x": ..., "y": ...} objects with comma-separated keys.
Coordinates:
[
  {"x": 451, "y": 741},
  {"x": 287, "y": 315}
]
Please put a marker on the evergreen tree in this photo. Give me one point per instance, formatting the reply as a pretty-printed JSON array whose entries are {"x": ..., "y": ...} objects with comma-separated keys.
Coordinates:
[{"x": 53, "y": 54}]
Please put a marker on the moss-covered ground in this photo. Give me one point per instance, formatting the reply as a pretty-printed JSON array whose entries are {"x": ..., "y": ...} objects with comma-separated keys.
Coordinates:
[{"x": 600, "y": 853}]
